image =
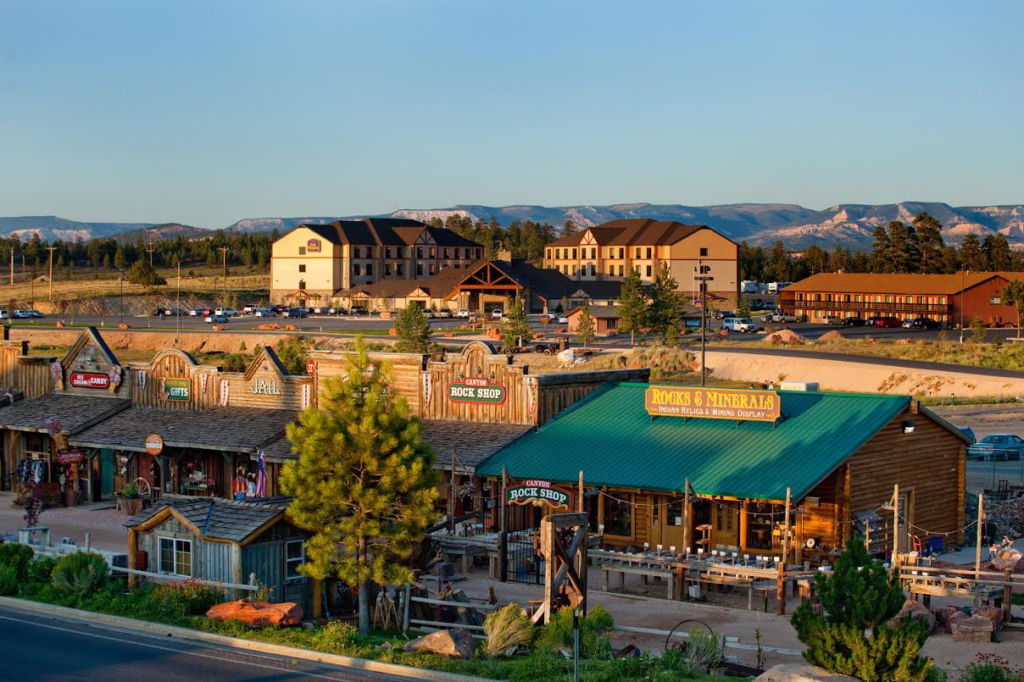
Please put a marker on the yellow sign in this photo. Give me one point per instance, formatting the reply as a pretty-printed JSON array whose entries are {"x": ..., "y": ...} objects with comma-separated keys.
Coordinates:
[{"x": 712, "y": 403}]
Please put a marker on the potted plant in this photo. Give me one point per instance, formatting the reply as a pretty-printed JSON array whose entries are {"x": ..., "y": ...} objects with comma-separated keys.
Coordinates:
[{"x": 131, "y": 501}]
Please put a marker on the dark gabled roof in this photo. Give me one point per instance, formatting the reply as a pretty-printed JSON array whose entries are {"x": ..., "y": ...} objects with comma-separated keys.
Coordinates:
[
  {"x": 75, "y": 412},
  {"x": 227, "y": 429},
  {"x": 548, "y": 283},
  {"x": 611, "y": 438},
  {"x": 385, "y": 232},
  {"x": 601, "y": 312},
  {"x": 279, "y": 450},
  {"x": 600, "y": 289},
  {"x": 634, "y": 232},
  {"x": 216, "y": 519},
  {"x": 471, "y": 442},
  {"x": 568, "y": 240}
]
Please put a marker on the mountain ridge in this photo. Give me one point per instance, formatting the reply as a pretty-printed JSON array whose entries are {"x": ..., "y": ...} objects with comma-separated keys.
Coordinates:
[{"x": 850, "y": 225}]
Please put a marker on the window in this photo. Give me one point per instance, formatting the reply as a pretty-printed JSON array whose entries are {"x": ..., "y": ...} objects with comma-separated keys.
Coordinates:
[
  {"x": 648, "y": 270},
  {"x": 294, "y": 556},
  {"x": 387, "y": 269},
  {"x": 387, "y": 252},
  {"x": 549, "y": 254},
  {"x": 703, "y": 252},
  {"x": 369, "y": 252},
  {"x": 369, "y": 269},
  {"x": 302, "y": 267},
  {"x": 302, "y": 250},
  {"x": 433, "y": 268},
  {"x": 447, "y": 253},
  {"x": 455, "y": 254},
  {"x": 611, "y": 270},
  {"x": 176, "y": 556},
  {"x": 648, "y": 252},
  {"x": 621, "y": 270},
  {"x": 637, "y": 252},
  {"x": 419, "y": 269},
  {"x": 399, "y": 270},
  {"x": 995, "y": 300},
  {"x": 419, "y": 252},
  {"x": 302, "y": 284},
  {"x": 357, "y": 270},
  {"x": 479, "y": 254},
  {"x": 618, "y": 514},
  {"x": 574, "y": 269},
  {"x": 433, "y": 252}
]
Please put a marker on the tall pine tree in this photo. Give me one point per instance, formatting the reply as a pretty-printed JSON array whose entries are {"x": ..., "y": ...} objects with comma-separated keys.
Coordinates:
[
  {"x": 929, "y": 242},
  {"x": 632, "y": 308},
  {"x": 585, "y": 325},
  {"x": 412, "y": 330},
  {"x": 514, "y": 325},
  {"x": 666, "y": 307},
  {"x": 364, "y": 483}
]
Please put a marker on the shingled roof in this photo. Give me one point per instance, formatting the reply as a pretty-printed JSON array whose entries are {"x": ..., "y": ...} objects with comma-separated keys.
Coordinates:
[
  {"x": 228, "y": 429},
  {"x": 75, "y": 412},
  {"x": 634, "y": 232},
  {"x": 881, "y": 283},
  {"x": 386, "y": 232},
  {"x": 213, "y": 518}
]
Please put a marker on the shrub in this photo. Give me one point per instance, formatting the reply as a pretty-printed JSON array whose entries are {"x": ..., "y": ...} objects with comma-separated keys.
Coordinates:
[
  {"x": 337, "y": 636},
  {"x": 8, "y": 580},
  {"x": 18, "y": 557},
  {"x": 40, "y": 571},
  {"x": 186, "y": 598},
  {"x": 131, "y": 491},
  {"x": 706, "y": 651},
  {"x": 990, "y": 668},
  {"x": 559, "y": 634},
  {"x": 81, "y": 573},
  {"x": 506, "y": 629}
]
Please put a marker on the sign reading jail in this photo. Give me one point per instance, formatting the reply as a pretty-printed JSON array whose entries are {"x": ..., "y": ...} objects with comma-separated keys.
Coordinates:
[
  {"x": 538, "y": 493},
  {"x": 471, "y": 390},
  {"x": 712, "y": 403},
  {"x": 175, "y": 389}
]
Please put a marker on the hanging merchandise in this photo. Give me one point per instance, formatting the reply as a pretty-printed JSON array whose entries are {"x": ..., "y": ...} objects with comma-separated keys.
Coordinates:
[
  {"x": 427, "y": 388},
  {"x": 203, "y": 378},
  {"x": 142, "y": 379},
  {"x": 57, "y": 372},
  {"x": 261, "y": 477},
  {"x": 224, "y": 392},
  {"x": 305, "y": 396}
]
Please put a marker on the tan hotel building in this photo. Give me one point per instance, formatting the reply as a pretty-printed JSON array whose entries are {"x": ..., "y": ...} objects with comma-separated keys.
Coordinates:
[
  {"x": 609, "y": 251},
  {"x": 313, "y": 262}
]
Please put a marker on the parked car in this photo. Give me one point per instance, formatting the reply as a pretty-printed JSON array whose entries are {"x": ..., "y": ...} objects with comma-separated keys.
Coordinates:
[
  {"x": 265, "y": 312},
  {"x": 35, "y": 313},
  {"x": 779, "y": 316},
  {"x": 428, "y": 313},
  {"x": 4, "y": 315},
  {"x": 280, "y": 308},
  {"x": 722, "y": 314},
  {"x": 216, "y": 318},
  {"x": 226, "y": 312},
  {"x": 358, "y": 310},
  {"x": 294, "y": 312},
  {"x": 921, "y": 323},
  {"x": 1004, "y": 446},
  {"x": 463, "y": 313},
  {"x": 969, "y": 432},
  {"x": 443, "y": 314},
  {"x": 887, "y": 322},
  {"x": 854, "y": 321},
  {"x": 250, "y": 308},
  {"x": 832, "y": 319},
  {"x": 21, "y": 315},
  {"x": 497, "y": 314},
  {"x": 562, "y": 319},
  {"x": 740, "y": 324}
]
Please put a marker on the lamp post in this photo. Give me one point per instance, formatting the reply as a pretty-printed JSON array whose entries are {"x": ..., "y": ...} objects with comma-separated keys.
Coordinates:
[
  {"x": 963, "y": 274},
  {"x": 121, "y": 281}
]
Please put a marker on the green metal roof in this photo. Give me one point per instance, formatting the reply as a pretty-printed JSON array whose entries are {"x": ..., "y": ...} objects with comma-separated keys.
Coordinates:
[{"x": 612, "y": 439}]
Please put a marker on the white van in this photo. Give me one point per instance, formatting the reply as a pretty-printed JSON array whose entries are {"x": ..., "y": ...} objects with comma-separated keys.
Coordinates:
[{"x": 740, "y": 324}]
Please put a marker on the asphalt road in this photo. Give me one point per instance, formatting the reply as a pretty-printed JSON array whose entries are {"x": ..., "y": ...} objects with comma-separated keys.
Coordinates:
[{"x": 38, "y": 647}]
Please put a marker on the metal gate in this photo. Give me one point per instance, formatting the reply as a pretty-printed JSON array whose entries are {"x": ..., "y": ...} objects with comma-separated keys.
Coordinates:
[{"x": 521, "y": 562}]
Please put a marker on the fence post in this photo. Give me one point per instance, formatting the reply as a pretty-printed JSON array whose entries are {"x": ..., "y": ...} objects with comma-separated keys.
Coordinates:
[
  {"x": 1008, "y": 596},
  {"x": 780, "y": 590},
  {"x": 405, "y": 607}
]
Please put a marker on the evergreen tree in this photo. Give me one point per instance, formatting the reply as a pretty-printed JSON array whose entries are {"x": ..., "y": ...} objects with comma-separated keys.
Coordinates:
[
  {"x": 997, "y": 254},
  {"x": 585, "y": 327},
  {"x": 293, "y": 354},
  {"x": 666, "y": 307},
  {"x": 903, "y": 256},
  {"x": 143, "y": 274},
  {"x": 364, "y": 482},
  {"x": 971, "y": 256},
  {"x": 1013, "y": 294},
  {"x": 778, "y": 263},
  {"x": 852, "y": 637},
  {"x": 569, "y": 229},
  {"x": 563, "y": 306},
  {"x": 514, "y": 325},
  {"x": 929, "y": 242},
  {"x": 632, "y": 308},
  {"x": 880, "y": 251},
  {"x": 412, "y": 330}
]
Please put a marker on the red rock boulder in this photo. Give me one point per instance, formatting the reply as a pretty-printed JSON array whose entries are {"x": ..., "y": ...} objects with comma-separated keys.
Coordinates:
[{"x": 257, "y": 614}]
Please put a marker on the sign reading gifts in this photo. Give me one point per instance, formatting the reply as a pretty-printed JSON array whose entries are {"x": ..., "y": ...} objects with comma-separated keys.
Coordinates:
[
  {"x": 175, "y": 389},
  {"x": 712, "y": 403},
  {"x": 539, "y": 493},
  {"x": 473, "y": 390},
  {"x": 89, "y": 380}
]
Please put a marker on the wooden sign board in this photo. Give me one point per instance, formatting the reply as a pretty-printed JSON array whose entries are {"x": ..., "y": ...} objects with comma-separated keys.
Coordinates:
[
  {"x": 713, "y": 403},
  {"x": 538, "y": 493},
  {"x": 472, "y": 390},
  {"x": 89, "y": 380},
  {"x": 70, "y": 457},
  {"x": 175, "y": 389},
  {"x": 154, "y": 444}
]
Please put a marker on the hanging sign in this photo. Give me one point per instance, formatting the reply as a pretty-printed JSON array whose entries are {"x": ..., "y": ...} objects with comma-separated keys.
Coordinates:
[
  {"x": 313, "y": 246},
  {"x": 712, "y": 403},
  {"x": 154, "y": 444},
  {"x": 538, "y": 493},
  {"x": 175, "y": 389},
  {"x": 70, "y": 457},
  {"x": 311, "y": 367},
  {"x": 472, "y": 390},
  {"x": 89, "y": 380},
  {"x": 265, "y": 387}
]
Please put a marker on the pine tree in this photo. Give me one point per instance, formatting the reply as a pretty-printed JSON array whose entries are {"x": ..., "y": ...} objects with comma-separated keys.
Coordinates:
[
  {"x": 852, "y": 637},
  {"x": 293, "y": 354},
  {"x": 1013, "y": 294},
  {"x": 412, "y": 330},
  {"x": 971, "y": 256},
  {"x": 632, "y": 308},
  {"x": 666, "y": 304},
  {"x": 929, "y": 242},
  {"x": 514, "y": 325},
  {"x": 364, "y": 483},
  {"x": 142, "y": 273},
  {"x": 585, "y": 325}
]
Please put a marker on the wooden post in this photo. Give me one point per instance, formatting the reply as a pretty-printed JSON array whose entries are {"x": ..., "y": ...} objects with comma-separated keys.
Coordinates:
[
  {"x": 318, "y": 602},
  {"x": 780, "y": 590},
  {"x": 1007, "y": 596},
  {"x": 743, "y": 527},
  {"x": 686, "y": 517},
  {"x": 579, "y": 503},
  {"x": 407, "y": 597},
  {"x": 895, "y": 525},
  {"x": 800, "y": 540},
  {"x": 680, "y": 578},
  {"x": 977, "y": 550},
  {"x": 133, "y": 548},
  {"x": 451, "y": 498},
  {"x": 785, "y": 536},
  {"x": 236, "y": 569}
]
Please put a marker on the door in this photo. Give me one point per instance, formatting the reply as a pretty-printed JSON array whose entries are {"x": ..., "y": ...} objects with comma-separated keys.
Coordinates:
[
  {"x": 106, "y": 472},
  {"x": 727, "y": 524},
  {"x": 672, "y": 523}
]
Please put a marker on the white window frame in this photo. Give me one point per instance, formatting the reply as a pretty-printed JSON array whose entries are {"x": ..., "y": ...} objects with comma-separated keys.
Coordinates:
[
  {"x": 301, "y": 560},
  {"x": 174, "y": 556}
]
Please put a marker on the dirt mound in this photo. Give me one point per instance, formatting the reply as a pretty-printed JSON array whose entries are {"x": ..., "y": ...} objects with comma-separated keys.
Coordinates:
[
  {"x": 831, "y": 336},
  {"x": 787, "y": 336}
]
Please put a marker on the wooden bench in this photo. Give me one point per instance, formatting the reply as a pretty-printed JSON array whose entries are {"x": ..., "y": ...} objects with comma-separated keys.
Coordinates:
[
  {"x": 722, "y": 580},
  {"x": 645, "y": 571}
]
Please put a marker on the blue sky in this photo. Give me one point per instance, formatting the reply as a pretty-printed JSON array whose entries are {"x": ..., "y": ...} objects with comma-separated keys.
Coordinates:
[{"x": 207, "y": 112}]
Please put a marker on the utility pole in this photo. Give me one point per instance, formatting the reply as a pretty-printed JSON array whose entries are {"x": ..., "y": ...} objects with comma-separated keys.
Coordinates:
[
  {"x": 702, "y": 279},
  {"x": 177, "y": 317},
  {"x": 150, "y": 249},
  {"x": 51, "y": 249},
  {"x": 121, "y": 280},
  {"x": 12, "y": 266},
  {"x": 224, "y": 273},
  {"x": 962, "y": 286}
]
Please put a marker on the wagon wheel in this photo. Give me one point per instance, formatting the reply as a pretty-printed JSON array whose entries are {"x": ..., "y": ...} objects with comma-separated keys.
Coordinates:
[{"x": 144, "y": 488}]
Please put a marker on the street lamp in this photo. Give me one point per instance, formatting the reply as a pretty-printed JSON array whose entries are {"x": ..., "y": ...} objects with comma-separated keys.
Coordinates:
[{"x": 121, "y": 281}]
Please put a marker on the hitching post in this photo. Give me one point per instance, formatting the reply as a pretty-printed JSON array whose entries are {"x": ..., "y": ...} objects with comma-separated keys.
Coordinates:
[
  {"x": 686, "y": 517},
  {"x": 576, "y": 644}
]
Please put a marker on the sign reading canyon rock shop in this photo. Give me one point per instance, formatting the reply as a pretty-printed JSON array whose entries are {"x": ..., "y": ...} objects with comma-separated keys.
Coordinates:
[
  {"x": 538, "y": 493},
  {"x": 175, "y": 389},
  {"x": 89, "y": 380},
  {"x": 712, "y": 403},
  {"x": 472, "y": 390}
]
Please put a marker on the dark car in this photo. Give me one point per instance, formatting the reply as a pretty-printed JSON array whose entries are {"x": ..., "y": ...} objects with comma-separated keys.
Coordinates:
[
  {"x": 854, "y": 321},
  {"x": 294, "y": 312},
  {"x": 722, "y": 314},
  {"x": 888, "y": 322},
  {"x": 358, "y": 310},
  {"x": 923, "y": 323},
  {"x": 1002, "y": 446}
]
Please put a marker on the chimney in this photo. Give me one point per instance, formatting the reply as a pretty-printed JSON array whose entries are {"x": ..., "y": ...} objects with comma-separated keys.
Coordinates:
[{"x": 505, "y": 255}]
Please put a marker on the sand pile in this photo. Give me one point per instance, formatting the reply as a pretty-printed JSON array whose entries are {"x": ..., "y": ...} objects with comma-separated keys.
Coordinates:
[
  {"x": 831, "y": 336},
  {"x": 787, "y": 336}
]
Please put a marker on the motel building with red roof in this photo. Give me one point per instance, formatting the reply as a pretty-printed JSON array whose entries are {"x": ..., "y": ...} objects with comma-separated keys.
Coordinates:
[{"x": 947, "y": 299}]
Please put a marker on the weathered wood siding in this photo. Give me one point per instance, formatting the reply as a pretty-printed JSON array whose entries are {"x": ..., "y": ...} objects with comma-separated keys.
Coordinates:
[
  {"x": 146, "y": 382},
  {"x": 929, "y": 465},
  {"x": 479, "y": 361},
  {"x": 405, "y": 371}
]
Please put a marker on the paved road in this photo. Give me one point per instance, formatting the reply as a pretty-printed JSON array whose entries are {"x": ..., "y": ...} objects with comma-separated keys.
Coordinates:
[{"x": 37, "y": 647}]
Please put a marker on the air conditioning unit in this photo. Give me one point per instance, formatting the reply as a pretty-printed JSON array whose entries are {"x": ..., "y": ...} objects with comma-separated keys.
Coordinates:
[{"x": 799, "y": 386}]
